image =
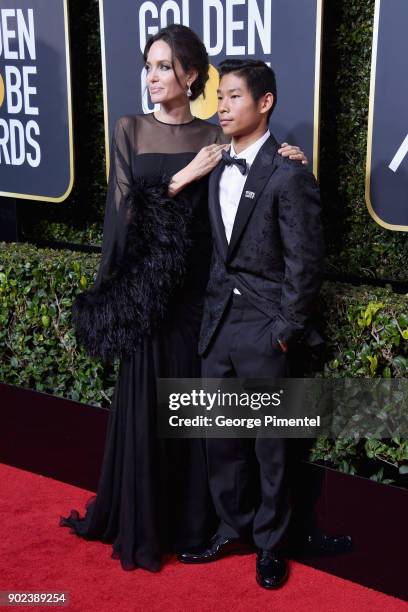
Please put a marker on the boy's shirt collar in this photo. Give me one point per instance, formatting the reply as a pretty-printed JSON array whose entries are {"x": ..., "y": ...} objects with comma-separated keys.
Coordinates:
[{"x": 250, "y": 152}]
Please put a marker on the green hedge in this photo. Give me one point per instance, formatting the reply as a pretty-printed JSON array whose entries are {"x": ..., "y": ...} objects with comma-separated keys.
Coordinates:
[
  {"x": 367, "y": 336},
  {"x": 366, "y": 333},
  {"x": 37, "y": 344},
  {"x": 356, "y": 244}
]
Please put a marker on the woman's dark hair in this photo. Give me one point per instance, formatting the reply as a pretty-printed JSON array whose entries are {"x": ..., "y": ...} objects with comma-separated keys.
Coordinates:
[
  {"x": 190, "y": 51},
  {"x": 260, "y": 79}
]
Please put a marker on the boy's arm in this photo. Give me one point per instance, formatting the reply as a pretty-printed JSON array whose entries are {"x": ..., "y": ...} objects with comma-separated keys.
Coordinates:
[{"x": 303, "y": 250}]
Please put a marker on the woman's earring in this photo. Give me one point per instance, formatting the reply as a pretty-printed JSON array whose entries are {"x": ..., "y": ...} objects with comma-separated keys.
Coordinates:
[{"x": 189, "y": 92}]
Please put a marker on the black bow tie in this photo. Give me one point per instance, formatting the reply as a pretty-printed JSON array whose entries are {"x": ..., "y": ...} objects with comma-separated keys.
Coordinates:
[{"x": 240, "y": 162}]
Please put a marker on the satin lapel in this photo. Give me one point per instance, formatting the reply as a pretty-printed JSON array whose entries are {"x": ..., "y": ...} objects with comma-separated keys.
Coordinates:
[
  {"x": 215, "y": 210},
  {"x": 261, "y": 169}
]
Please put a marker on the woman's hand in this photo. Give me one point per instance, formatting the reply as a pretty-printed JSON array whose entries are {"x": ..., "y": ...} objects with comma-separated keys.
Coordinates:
[
  {"x": 287, "y": 150},
  {"x": 205, "y": 160}
]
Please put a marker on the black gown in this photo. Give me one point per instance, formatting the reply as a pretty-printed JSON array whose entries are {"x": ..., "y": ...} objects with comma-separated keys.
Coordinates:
[{"x": 153, "y": 494}]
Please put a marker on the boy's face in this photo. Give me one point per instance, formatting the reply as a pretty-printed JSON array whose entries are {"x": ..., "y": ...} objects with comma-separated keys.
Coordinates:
[{"x": 238, "y": 113}]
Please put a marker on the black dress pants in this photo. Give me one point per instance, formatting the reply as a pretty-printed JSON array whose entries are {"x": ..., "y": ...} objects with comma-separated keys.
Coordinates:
[{"x": 248, "y": 477}]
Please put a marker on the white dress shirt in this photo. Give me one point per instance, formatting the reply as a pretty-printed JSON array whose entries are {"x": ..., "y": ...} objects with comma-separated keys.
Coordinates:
[{"x": 232, "y": 182}]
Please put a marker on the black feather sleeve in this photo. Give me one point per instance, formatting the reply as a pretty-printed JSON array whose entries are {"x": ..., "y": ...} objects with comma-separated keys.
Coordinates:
[{"x": 146, "y": 238}]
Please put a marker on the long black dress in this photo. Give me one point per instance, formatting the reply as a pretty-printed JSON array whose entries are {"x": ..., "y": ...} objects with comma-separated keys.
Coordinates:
[{"x": 152, "y": 494}]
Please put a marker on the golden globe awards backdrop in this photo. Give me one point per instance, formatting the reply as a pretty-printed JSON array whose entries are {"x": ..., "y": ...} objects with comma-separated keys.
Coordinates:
[
  {"x": 284, "y": 33},
  {"x": 36, "y": 149},
  {"x": 387, "y": 143}
]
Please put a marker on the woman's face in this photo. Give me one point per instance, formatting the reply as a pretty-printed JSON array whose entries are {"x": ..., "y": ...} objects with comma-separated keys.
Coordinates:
[{"x": 160, "y": 77}]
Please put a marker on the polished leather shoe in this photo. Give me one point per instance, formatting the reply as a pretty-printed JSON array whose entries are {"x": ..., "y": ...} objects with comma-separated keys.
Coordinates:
[
  {"x": 271, "y": 569},
  {"x": 219, "y": 546}
]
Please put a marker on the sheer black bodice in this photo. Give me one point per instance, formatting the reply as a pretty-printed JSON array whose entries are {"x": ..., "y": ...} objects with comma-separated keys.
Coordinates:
[{"x": 144, "y": 146}]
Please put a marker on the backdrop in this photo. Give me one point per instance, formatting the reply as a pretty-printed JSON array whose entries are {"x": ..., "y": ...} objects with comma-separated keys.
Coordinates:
[{"x": 284, "y": 33}]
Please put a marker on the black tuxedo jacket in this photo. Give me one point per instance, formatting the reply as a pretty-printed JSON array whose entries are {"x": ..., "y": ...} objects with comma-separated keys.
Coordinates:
[{"x": 275, "y": 255}]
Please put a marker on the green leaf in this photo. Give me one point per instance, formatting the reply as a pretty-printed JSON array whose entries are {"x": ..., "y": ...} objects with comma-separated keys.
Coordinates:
[
  {"x": 373, "y": 363},
  {"x": 45, "y": 320}
]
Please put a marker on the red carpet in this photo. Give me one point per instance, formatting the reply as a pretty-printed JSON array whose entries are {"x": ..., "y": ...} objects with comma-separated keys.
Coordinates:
[{"x": 37, "y": 554}]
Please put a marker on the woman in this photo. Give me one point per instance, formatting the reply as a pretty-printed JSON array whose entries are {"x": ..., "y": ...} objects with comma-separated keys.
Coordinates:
[{"x": 145, "y": 308}]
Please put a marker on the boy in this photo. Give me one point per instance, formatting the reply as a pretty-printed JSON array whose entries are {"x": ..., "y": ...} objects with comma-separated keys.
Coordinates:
[{"x": 265, "y": 275}]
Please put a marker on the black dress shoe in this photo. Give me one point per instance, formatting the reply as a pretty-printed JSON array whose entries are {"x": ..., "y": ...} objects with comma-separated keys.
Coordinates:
[
  {"x": 219, "y": 546},
  {"x": 271, "y": 569}
]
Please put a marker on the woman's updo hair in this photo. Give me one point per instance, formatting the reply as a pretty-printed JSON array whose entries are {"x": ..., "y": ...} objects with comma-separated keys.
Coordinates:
[{"x": 190, "y": 51}]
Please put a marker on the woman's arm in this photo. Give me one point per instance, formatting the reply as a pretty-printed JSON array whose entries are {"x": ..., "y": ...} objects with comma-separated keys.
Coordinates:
[
  {"x": 116, "y": 213},
  {"x": 208, "y": 158}
]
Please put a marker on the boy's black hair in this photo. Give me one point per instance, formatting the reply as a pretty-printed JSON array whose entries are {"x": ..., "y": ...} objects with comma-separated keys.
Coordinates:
[{"x": 260, "y": 79}]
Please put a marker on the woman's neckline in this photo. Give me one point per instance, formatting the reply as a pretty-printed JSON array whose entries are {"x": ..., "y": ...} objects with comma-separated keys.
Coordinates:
[{"x": 173, "y": 124}]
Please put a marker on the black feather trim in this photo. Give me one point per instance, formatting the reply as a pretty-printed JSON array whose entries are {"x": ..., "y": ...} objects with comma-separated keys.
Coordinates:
[{"x": 109, "y": 321}]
